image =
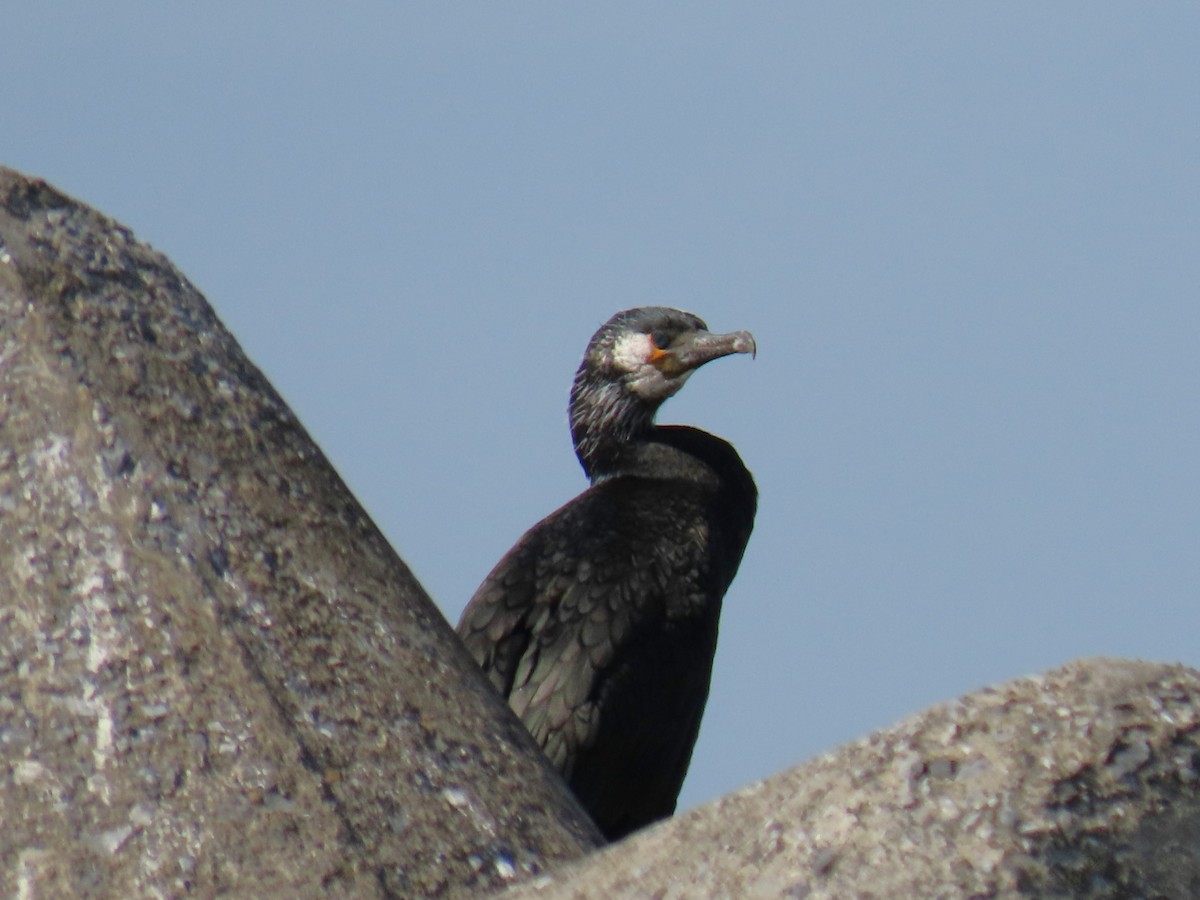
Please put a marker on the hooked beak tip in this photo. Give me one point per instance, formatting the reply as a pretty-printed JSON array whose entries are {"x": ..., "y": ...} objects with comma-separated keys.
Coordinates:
[{"x": 743, "y": 342}]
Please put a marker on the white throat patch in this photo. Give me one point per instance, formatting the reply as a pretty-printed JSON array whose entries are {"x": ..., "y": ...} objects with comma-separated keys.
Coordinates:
[
  {"x": 631, "y": 354},
  {"x": 632, "y": 351}
]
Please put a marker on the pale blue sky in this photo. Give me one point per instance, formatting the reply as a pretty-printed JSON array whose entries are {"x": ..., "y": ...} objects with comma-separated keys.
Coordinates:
[{"x": 966, "y": 236}]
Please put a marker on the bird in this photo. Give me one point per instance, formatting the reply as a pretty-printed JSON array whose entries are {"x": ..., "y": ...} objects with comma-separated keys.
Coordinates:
[{"x": 600, "y": 625}]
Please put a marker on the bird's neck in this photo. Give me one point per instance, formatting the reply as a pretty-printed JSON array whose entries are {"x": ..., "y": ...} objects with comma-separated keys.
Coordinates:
[{"x": 607, "y": 428}]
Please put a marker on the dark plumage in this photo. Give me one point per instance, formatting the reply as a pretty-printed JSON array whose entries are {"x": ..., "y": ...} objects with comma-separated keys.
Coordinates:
[{"x": 600, "y": 625}]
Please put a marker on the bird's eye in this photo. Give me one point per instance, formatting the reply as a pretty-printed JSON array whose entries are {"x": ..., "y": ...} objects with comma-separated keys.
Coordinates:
[{"x": 662, "y": 339}]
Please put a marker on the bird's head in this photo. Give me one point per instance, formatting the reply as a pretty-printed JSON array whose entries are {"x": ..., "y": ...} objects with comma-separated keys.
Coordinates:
[{"x": 634, "y": 362}]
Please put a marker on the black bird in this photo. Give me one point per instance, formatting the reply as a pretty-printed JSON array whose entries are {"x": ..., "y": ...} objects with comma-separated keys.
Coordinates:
[{"x": 600, "y": 625}]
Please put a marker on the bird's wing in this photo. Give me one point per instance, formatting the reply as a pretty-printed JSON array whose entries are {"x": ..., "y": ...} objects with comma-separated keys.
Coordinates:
[
  {"x": 558, "y": 681},
  {"x": 549, "y": 619},
  {"x": 614, "y": 692},
  {"x": 498, "y": 622}
]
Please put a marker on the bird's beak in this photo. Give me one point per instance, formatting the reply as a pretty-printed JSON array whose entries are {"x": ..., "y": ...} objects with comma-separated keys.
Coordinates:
[{"x": 691, "y": 351}]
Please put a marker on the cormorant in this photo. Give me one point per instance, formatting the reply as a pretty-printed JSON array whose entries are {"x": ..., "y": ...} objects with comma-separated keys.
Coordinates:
[{"x": 600, "y": 625}]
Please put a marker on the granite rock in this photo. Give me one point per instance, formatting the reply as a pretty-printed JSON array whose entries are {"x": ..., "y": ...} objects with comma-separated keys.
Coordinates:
[
  {"x": 1080, "y": 783},
  {"x": 215, "y": 674}
]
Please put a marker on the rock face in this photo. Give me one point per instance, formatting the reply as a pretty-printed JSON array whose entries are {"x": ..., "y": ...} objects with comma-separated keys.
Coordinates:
[
  {"x": 215, "y": 674},
  {"x": 1083, "y": 783}
]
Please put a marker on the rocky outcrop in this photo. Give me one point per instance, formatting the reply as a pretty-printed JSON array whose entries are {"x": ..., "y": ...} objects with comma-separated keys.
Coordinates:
[
  {"x": 215, "y": 674},
  {"x": 1082, "y": 783}
]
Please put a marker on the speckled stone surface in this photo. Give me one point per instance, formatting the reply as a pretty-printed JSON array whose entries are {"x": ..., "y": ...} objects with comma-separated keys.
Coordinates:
[
  {"x": 215, "y": 675},
  {"x": 1081, "y": 783}
]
